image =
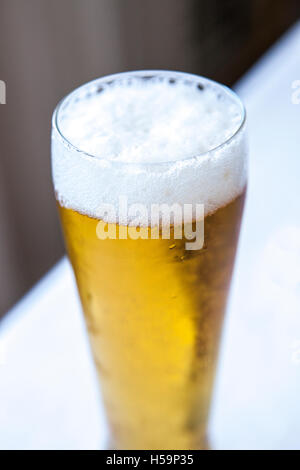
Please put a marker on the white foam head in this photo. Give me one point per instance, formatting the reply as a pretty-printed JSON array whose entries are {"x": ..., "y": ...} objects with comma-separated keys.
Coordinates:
[{"x": 151, "y": 136}]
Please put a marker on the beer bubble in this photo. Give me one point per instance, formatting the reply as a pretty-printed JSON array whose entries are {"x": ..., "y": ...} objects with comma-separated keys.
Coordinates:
[{"x": 154, "y": 137}]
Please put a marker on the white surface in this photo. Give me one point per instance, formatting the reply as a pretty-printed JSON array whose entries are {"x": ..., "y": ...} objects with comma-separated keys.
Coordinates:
[{"x": 48, "y": 393}]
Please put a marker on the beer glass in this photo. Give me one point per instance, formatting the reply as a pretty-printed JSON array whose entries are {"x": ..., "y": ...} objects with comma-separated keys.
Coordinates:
[{"x": 149, "y": 171}]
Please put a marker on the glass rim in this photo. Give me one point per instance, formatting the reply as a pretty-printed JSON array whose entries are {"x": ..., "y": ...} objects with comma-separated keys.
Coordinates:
[{"x": 149, "y": 73}]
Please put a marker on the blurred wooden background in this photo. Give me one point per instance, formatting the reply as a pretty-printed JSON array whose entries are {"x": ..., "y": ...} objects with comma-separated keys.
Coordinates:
[{"x": 49, "y": 47}]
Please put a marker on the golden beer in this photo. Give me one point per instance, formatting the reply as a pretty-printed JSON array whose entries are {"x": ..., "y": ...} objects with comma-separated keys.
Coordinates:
[{"x": 154, "y": 312}]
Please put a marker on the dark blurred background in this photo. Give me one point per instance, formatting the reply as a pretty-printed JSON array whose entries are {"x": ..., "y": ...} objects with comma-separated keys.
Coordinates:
[{"x": 48, "y": 47}]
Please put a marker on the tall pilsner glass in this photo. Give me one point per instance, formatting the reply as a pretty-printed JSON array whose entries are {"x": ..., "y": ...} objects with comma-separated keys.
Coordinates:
[{"x": 149, "y": 172}]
